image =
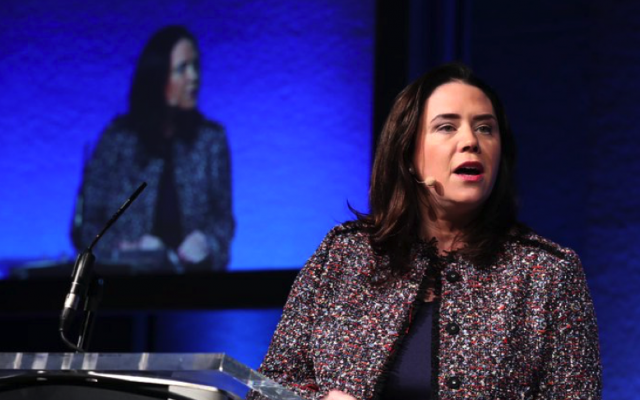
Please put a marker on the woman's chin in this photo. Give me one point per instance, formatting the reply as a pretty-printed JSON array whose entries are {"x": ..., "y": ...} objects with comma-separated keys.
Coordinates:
[
  {"x": 188, "y": 106},
  {"x": 467, "y": 202}
]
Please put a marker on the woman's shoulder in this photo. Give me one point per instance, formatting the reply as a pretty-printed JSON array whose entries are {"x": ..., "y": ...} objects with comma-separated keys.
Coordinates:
[
  {"x": 343, "y": 243},
  {"x": 211, "y": 135},
  {"x": 211, "y": 125},
  {"x": 117, "y": 137},
  {"x": 534, "y": 248},
  {"x": 120, "y": 125},
  {"x": 349, "y": 233},
  {"x": 211, "y": 128},
  {"x": 343, "y": 252}
]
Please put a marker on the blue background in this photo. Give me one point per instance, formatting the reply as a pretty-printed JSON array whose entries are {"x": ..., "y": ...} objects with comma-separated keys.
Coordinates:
[{"x": 293, "y": 83}]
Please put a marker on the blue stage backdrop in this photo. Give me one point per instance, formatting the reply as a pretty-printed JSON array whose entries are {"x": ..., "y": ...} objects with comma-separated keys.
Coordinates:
[{"x": 290, "y": 80}]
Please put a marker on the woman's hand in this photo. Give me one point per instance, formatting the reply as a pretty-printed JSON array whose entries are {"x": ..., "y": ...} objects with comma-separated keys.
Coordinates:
[
  {"x": 145, "y": 243},
  {"x": 194, "y": 248},
  {"x": 338, "y": 395}
]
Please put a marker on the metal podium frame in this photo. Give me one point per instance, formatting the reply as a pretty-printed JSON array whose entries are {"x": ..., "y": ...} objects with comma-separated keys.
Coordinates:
[{"x": 192, "y": 376}]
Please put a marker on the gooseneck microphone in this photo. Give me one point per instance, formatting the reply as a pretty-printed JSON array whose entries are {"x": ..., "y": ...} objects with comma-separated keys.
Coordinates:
[{"x": 82, "y": 275}]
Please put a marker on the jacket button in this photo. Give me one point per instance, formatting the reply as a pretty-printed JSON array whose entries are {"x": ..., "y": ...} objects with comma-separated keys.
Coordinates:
[
  {"x": 452, "y": 328},
  {"x": 453, "y": 276},
  {"x": 454, "y": 383}
]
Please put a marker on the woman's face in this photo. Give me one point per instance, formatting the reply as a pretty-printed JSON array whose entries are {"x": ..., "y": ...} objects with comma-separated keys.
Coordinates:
[
  {"x": 184, "y": 76},
  {"x": 459, "y": 146}
]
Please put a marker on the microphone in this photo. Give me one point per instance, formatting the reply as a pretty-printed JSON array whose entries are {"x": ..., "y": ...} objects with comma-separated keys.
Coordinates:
[
  {"x": 429, "y": 181},
  {"x": 81, "y": 276},
  {"x": 83, "y": 268}
]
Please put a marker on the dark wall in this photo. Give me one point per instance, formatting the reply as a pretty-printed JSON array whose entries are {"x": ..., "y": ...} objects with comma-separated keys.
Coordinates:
[
  {"x": 569, "y": 73},
  {"x": 537, "y": 58}
]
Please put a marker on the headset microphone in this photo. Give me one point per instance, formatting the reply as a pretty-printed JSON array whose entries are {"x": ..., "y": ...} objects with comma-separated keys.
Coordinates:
[{"x": 430, "y": 181}]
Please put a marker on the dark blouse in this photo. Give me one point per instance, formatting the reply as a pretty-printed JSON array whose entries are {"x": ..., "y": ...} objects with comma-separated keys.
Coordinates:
[
  {"x": 410, "y": 374},
  {"x": 166, "y": 223}
]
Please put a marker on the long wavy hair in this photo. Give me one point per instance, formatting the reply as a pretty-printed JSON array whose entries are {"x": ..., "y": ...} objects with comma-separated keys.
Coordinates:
[
  {"x": 394, "y": 219},
  {"x": 148, "y": 111}
]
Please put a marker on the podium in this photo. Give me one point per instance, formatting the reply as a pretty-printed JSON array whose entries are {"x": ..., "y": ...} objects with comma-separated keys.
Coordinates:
[{"x": 131, "y": 376}]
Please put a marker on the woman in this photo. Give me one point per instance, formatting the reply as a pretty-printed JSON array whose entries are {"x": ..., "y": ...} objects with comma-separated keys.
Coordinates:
[
  {"x": 163, "y": 140},
  {"x": 438, "y": 292}
]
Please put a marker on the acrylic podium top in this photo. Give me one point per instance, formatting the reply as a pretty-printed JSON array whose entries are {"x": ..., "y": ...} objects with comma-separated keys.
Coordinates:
[{"x": 204, "y": 369}]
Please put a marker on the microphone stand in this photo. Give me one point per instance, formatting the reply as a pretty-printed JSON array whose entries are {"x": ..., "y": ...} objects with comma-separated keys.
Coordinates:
[
  {"x": 94, "y": 297},
  {"x": 87, "y": 288}
]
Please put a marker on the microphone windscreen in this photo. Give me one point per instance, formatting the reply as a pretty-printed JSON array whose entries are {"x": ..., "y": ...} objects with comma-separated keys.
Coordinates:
[{"x": 430, "y": 181}]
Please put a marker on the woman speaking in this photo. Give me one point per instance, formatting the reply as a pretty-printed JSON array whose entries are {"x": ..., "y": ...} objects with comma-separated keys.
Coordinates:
[{"x": 438, "y": 292}]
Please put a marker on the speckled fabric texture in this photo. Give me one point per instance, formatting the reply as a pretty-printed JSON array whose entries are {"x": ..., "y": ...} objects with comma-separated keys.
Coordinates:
[
  {"x": 523, "y": 328},
  {"x": 118, "y": 166}
]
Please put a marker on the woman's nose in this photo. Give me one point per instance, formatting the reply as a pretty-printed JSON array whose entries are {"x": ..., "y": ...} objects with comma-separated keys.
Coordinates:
[
  {"x": 192, "y": 72},
  {"x": 471, "y": 147},
  {"x": 469, "y": 141}
]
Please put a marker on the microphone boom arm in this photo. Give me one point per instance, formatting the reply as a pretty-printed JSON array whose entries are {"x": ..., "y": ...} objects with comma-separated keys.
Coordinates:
[{"x": 82, "y": 278}]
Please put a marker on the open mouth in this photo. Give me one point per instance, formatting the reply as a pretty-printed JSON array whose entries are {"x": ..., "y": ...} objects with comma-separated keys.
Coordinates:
[{"x": 469, "y": 168}]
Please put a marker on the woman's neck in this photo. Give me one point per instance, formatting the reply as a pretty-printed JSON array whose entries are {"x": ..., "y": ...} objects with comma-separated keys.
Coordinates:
[
  {"x": 169, "y": 124},
  {"x": 447, "y": 229},
  {"x": 167, "y": 130}
]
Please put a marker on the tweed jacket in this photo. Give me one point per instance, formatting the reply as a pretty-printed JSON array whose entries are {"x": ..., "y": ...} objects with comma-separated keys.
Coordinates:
[
  {"x": 523, "y": 328},
  {"x": 120, "y": 163}
]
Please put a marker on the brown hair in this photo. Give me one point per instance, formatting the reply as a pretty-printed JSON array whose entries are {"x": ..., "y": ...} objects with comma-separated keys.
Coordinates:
[
  {"x": 148, "y": 108},
  {"x": 394, "y": 195}
]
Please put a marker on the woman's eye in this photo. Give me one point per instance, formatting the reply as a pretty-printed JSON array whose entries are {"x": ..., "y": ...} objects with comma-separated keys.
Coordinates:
[
  {"x": 446, "y": 128},
  {"x": 181, "y": 68},
  {"x": 485, "y": 129}
]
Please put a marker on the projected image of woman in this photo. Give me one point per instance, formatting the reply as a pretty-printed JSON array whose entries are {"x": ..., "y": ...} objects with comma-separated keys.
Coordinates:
[
  {"x": 438, "y": 292},
  {"x": 163, "y": 140}
]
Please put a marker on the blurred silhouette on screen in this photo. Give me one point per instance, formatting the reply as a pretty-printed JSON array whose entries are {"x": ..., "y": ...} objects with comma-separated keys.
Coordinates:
[{"x": 184, "y": 218}]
